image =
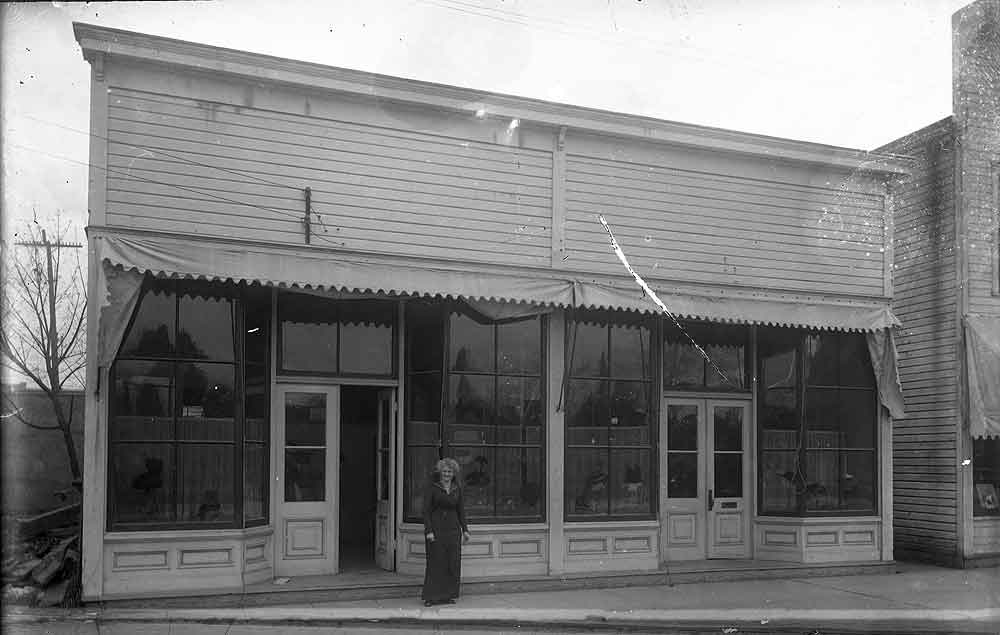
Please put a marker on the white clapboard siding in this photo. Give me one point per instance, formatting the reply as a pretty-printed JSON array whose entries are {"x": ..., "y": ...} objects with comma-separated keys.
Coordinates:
[
  {"x": 679, "y": 224},
  {"x": 180, "y": 165},
  {"x": 925, "y": 452}
]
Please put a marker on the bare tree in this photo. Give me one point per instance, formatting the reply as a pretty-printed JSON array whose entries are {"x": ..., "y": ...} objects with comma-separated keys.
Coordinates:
[{"x": 43, "y": 307}]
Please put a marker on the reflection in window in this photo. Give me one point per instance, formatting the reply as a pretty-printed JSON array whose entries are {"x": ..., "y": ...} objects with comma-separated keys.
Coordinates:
[
  {"x": 175, "y": 441},
  {"x": 491, "y": 418},
  {"x": 609, "y": 418},
  {"x": 818, "y": 420}
]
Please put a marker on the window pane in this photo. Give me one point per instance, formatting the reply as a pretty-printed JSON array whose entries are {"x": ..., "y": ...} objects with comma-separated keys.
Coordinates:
[
  {"x": 425, "y": 335},
  {"x": 477, "y": 468},
  {"x": 305, "y": 419},
  {"x": 821, "y": 352},
  {"x": 631, "y": 482},
  {"x": 142, "y": 481},
  {"x": 206, "y": 321},
  {"x": 587, "y": 403},
  {"x": 682, "y": 427},
  {"x": 424, "y": 395},
  {"x": 630, "y": 352},
  {"x": 257, "y": 387},
  {"x": 779, "y": 480},
  {"x": 520, "y": 347},
  {"x": 683, "y": 365},
  {"x": 418, "y": 465},
  {"x": 308, "y": 333},
  {"x": 255, "y": 481},
  {"x": 206, "y": 409},
  {"x": 143, "y": 401},
  {"x": 859, "y": 418},
  {"x": 731, "y": 359},
  {"x": 823, "y": 418},
  {"x": 728, "y": 427},
  {"x": 366, "y": 328},
  {"x": 777, "y": 353},
  {"x": 857, "y": 481},
  {"x": 586, "y": 482},
  {"x": 728, "y": 475},
  {"x": 519, "y": 482},
  {"x": 469, "y": 415},
  {"x": 821, "y": 490},
  {"x": 986, "y": 476},
  {"x": 257, "y": 320},
  {"x": 205, "y": 483},
  {"x": 152, "y": 330},
  {"x": 855, "y": 361},
  {"x": 471, "y": 345},
  {"x": 588, "y": 349},
  {"x": 305, "y": 474},
  {"x": 519, "y": 410},
  {"x": 682, "y": 474},
  {"x": 630, "y": 404}
]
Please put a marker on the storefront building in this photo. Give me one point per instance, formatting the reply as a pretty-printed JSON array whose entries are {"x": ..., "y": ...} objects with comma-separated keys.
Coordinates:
[
  {"x": 315, "y": 282},
  {"x": 947, "y": 253}
]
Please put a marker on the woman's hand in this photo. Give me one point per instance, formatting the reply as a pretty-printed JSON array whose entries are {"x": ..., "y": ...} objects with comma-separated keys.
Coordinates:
[
  {"x": 466, "y": 536},
  {"x": 430, "y": 537}
]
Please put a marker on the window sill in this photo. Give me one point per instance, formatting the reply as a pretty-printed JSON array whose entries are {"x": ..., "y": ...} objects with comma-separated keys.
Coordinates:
[
  {"x": 496, "y": 528},
  {"x": 816, "y": 520},
  {"x": 183, "y": 535},
  {"x": 587, "y": 525}
]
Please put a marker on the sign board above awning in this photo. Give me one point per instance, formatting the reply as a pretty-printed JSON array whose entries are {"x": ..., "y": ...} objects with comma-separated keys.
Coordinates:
[{"x": 324, "y": 270}]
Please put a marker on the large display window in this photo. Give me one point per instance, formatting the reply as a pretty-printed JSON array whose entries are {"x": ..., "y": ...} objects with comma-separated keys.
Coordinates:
[
  {"x": 475, "y": 393},
  {"x": 188, "y": 420},
  {"x": 817, "y": 422},
  {"x": 610, "y": 417}
]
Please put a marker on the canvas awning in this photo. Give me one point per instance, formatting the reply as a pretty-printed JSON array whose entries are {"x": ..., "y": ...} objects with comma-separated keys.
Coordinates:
[
  {"x": 494, "y": 292},
  {"x": 982, "y": 347}
]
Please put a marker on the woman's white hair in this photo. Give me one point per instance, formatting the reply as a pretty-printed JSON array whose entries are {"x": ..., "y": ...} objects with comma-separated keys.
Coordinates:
[{"x": 443, "y": 463}]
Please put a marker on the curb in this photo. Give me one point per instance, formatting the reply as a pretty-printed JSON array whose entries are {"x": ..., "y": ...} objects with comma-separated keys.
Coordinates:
[{"x": 643, "y": 620}]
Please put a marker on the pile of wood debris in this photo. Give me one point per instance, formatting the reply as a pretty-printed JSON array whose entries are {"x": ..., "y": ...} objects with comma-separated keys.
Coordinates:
[{"x": 41, "y": 559}]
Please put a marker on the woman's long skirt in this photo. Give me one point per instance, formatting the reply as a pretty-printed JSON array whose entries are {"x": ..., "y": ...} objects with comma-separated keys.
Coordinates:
[{"x": 443, "y": 574}]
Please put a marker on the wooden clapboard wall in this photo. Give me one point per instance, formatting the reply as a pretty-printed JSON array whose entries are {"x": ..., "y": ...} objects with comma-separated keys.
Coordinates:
[
  {"x": 688, "y": 216},
  {"x": 180, "y": 164},
  {"x": 211, "y": 155},
  {"x": 925, "y": 452}
]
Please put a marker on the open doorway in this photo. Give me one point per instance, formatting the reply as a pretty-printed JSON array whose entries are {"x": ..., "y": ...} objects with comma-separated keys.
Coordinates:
[{"x": 358, "y": 496}]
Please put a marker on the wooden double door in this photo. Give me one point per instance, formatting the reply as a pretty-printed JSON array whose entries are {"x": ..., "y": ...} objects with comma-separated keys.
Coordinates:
[{"x": 707, "y": 485}]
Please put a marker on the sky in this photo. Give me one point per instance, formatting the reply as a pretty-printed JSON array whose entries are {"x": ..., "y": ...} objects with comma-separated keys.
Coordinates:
[{"x": 852, "y": 73}]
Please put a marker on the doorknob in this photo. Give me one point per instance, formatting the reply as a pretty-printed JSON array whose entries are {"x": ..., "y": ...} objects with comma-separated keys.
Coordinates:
[{"x": 711, "y": 501}]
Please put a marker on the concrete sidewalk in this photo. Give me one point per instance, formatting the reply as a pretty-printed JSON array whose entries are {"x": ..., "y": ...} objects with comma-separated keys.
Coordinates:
[{"x": 916, "y": 599}]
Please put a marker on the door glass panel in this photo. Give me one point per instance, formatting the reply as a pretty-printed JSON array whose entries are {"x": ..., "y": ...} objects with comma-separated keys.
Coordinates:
[
  {"x": 682, "y": 474},
  {"x": 305, "y": 451},
  {"x": 305, "y": 475},
  {"x": 728, "y": 475},
  {"x": 728, "y": 427},
  {"x": 305, "y": 419},
  {"x": 682, "y": 427}
]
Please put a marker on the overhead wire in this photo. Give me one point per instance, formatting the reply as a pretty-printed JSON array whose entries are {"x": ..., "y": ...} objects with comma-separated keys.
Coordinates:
[
  {"x": 153, "y": 150},
  {"x": 110, "y": 170}
]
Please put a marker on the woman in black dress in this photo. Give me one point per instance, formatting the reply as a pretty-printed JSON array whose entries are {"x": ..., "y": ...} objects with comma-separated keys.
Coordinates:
[{"x": 444, "y": 529}]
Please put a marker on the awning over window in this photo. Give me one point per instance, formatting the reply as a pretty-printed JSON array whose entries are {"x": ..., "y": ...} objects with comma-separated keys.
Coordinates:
[
  {"x": 292, "y": 268},
  {"x": 492, "y": 292},
  {"x": 982, "y": 347}
]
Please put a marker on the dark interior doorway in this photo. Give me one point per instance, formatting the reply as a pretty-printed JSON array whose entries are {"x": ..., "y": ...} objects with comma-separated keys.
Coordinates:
[{"x": 358, "y": 501}]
